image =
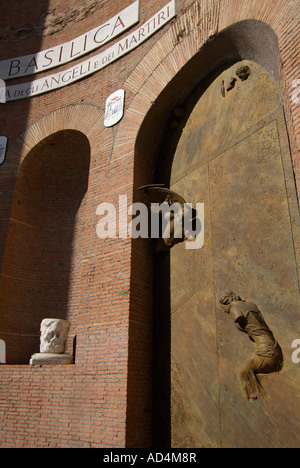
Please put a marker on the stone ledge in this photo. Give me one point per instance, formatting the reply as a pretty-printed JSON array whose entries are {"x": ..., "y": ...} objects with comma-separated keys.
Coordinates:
[{"x": 51, "y": 359}]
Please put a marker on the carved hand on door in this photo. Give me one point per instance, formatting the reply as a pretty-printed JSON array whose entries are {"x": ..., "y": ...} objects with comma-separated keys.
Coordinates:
[{"x": 175, "y": 214}]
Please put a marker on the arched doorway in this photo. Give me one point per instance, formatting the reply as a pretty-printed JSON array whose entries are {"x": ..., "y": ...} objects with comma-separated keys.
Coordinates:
[
  {"x": 227, "y": 146},
  {"x": 39, "y": 266}
]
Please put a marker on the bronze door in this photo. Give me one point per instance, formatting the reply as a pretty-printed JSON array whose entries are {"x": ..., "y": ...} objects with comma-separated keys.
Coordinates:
[{"x": 231, "y": 152}]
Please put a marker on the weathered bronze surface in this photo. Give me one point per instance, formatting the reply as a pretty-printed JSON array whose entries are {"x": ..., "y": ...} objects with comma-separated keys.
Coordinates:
[{"x": 231, "y": 152}]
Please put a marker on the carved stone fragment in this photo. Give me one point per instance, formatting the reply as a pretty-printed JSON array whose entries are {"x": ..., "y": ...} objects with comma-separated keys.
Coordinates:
[{"x": 54, "y": 334}]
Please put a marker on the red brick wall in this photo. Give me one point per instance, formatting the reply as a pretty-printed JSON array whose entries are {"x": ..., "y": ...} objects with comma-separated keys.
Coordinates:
[{"x": 105, "y": 398}]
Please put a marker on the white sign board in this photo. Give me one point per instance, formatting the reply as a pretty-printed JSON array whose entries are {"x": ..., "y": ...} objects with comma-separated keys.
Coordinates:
[
  {"x": 2, "y": 352},
  {"x": 3, "y": 145},
  {"x": 114, "y": 109},
  {"x": 2, "y": 92},
  {"x": 96, "y": 63},
  {"x": 72, "y": 50}
]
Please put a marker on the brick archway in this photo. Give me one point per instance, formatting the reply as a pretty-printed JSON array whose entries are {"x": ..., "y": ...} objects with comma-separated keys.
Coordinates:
[
  {"x": 63, "y": 143},
  {"x": 84, "y": 118},
  {"x": 164, "y": 78},
  {"x": 39, "y": 266},
  {"x": 250, "y": 33}
]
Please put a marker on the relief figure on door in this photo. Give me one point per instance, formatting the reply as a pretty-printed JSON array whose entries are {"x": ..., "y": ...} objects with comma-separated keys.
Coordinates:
[{"x": 268, "y": 357}]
